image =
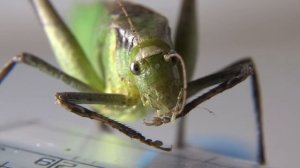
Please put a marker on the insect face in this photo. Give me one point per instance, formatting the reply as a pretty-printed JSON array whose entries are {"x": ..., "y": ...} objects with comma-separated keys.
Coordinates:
[{"x": 158, "y": 80}]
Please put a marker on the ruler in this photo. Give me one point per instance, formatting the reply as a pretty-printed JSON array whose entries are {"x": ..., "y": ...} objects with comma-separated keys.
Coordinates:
[
  {"x": 15, "y": 157},
  {"x": 43, "y": 145}
]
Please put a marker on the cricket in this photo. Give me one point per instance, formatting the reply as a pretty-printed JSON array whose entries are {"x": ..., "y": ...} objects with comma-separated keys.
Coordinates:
[{"x": 121, "y": 59}]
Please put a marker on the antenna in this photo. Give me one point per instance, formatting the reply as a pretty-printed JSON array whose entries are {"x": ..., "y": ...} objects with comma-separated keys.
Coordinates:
[{"x": 120, "y": 2}]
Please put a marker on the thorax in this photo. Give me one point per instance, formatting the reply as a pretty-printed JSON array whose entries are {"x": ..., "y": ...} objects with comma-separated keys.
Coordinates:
[{"x": 123, "y": 38}]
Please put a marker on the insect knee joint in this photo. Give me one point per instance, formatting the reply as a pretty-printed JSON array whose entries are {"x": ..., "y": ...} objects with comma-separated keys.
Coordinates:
[{"x": 59, "y": 97}]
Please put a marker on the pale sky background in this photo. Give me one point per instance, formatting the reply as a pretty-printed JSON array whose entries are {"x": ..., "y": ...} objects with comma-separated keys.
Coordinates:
[{"x": 268, "y": 31}]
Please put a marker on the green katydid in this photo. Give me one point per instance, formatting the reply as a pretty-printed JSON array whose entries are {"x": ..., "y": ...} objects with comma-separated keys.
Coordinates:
[{"x": 120, "y": 56}]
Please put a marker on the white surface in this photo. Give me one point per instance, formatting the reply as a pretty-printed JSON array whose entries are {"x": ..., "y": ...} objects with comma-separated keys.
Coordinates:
[{"x": 268, "y": 31}]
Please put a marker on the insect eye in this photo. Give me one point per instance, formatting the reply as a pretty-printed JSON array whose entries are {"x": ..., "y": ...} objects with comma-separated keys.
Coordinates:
[{"x": 135, "y": 68}]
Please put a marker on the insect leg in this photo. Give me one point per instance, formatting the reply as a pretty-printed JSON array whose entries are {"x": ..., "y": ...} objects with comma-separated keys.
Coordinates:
[
  {"x": 186, "y": 46},
  {"x": 226, "y": 79},
  {"x": 68, "y": 52},
  {"x": 43, "y": 66},
  {"x": 186, "y": 42},
  {"x": 69, "y": 101},
  {"x": 92, "y": 98}
]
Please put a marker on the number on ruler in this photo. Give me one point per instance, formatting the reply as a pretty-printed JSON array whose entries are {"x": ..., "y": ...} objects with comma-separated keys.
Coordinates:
[{"x": 54, "y": 163}]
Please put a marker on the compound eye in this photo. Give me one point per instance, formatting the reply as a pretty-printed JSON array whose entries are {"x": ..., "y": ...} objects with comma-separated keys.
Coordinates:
[{"x": 135, "y": 68}]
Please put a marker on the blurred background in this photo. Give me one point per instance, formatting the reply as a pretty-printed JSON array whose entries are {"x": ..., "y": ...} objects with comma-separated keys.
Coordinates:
[{"x": 268, "y": 31}]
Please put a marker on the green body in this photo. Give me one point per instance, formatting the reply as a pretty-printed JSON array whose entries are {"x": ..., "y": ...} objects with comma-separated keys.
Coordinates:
[{"x": 108, "y": 45}]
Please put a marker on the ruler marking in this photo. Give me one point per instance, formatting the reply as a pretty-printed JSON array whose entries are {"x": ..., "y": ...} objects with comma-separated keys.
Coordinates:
[{"x": 3, "y": 146}]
